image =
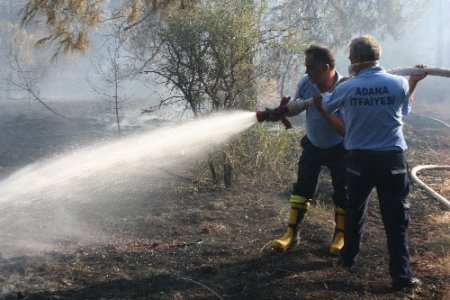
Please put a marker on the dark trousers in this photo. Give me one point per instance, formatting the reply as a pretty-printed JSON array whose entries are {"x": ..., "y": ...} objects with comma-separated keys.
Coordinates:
[
  {"x": 387, "y": 171},
  {"x": 309, "y": 166}
]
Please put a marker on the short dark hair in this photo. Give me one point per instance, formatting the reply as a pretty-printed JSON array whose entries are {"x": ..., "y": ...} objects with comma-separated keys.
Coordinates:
[{"x": 321, "y": 54}]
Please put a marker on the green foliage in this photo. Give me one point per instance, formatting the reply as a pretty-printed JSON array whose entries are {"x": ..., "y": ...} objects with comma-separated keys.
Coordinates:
[
  {"x": 208, "y": 54},
  {"x": 262, "y": 157},
  {"x": 68, "y": 22}
]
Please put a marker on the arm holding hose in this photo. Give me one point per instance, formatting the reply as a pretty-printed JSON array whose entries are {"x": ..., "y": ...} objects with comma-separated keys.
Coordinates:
[
  {"x": 334, "y": 120},
  {"x": 414, "y": 78},
  {"x": 290, "y": 108}
]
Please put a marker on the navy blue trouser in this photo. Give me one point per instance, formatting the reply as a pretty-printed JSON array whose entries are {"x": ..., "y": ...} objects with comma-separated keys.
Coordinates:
[
  {"x": 387, "y": 171},
  {"x": 310, "y": 163}
]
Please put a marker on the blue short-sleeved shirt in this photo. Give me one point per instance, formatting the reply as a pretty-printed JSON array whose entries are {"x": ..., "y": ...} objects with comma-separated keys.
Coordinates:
[
  {"x": 373, "y": 103},
  {"x": 318, "y": 129}
]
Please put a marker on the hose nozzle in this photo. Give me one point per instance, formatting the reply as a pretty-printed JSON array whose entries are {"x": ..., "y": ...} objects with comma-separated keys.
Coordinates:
[
  {"x": 261, "y": 116},
  {"x": 276, "y": 114}
]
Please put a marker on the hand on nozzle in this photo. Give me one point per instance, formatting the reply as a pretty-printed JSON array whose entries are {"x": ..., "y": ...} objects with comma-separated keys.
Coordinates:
[
  {"x": 284, "y": 101},
  {"x": 273, "y": 114},
  {"x": 269, "y": 114}
]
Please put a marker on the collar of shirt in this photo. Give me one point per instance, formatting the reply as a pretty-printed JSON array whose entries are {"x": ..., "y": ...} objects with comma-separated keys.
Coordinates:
[{"x": 370, "y": 70}]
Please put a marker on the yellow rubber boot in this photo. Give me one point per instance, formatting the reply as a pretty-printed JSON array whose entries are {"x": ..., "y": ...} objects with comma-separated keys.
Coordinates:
[
  {"x": 299, "y": 207},
  {"x": 338, "y": 237}
]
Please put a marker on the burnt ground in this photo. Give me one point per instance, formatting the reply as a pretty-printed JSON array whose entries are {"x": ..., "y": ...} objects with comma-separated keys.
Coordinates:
[{"x": 204, "y": 242}]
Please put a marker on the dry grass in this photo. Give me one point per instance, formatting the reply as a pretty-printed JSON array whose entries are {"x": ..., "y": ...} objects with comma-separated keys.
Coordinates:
[{"x": 445, "y": 187}]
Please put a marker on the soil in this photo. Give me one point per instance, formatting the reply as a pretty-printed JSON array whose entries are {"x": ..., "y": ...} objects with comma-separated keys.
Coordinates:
[{"x": 206, "y": 242}]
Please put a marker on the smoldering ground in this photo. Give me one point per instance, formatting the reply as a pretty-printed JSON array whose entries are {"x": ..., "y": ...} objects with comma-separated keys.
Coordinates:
[{"x": 67, "y": 197}]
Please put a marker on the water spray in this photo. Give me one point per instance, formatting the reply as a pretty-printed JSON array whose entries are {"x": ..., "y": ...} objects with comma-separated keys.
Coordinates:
[{"x": 66, "y": 197}]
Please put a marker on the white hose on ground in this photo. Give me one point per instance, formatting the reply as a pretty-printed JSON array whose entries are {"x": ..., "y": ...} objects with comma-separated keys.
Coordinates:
[
  {"x": 433, "y": 71},
  {"x": 434, "y": 119},
  {"x": 445, "y": 202}
]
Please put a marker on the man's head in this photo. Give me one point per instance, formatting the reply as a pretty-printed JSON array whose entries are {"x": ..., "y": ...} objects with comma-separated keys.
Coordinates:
[
  {"x": 365, "y": 51},
  {"x": 319, "y": 63}
]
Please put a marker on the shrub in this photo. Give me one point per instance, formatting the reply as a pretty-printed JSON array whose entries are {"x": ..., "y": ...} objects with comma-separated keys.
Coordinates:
[{"x": 265, "y": 156}]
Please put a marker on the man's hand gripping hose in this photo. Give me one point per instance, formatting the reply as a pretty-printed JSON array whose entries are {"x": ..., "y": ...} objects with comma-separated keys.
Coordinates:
[
  {"x": 286, "y": 108},
  {"x": 275, "y": 114}
]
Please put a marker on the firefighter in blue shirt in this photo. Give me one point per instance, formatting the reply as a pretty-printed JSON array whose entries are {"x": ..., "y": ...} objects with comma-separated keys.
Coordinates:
[
  {"x": 322, "y": 146},
  {"x": 373, "y": 103}
]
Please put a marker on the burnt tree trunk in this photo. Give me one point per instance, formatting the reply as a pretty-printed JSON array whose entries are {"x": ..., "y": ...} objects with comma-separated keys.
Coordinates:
[{"x": 227, "y": 171}]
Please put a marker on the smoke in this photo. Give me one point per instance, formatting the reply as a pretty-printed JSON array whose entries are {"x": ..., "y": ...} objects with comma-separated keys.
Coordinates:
[{"x": 424, "y": 40}]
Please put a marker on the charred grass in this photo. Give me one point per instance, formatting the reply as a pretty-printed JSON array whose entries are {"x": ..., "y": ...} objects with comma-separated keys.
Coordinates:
[{"x": 207, "y": 242}]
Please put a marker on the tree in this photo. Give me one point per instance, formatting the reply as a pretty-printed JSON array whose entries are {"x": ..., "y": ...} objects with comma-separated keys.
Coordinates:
[
  {"x": 112, "y": 71},
  {"x": 289, "y": 25},
  {"x": 68, "y": 23},
  {"x": 333, "y": 23},
  {"x": 23, "y": 68},
  {"x": 207, "y": 55}
]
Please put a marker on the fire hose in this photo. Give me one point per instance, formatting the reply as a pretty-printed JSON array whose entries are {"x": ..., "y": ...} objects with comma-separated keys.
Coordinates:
[
  {"x": 407, "y": 71},
  {"x": 433, "y": 72},
  {"x": 295, "y": 107},
  {"x": 299, "y": 106},
  {"x": 430, "y": 191}
]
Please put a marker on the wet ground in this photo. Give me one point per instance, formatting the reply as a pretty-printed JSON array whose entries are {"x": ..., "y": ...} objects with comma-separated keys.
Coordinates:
[{"x": 175, "y": 239}]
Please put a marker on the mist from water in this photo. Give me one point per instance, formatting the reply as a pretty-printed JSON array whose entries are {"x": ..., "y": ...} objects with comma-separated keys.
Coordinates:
[{"x": 42, "y": 202}]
